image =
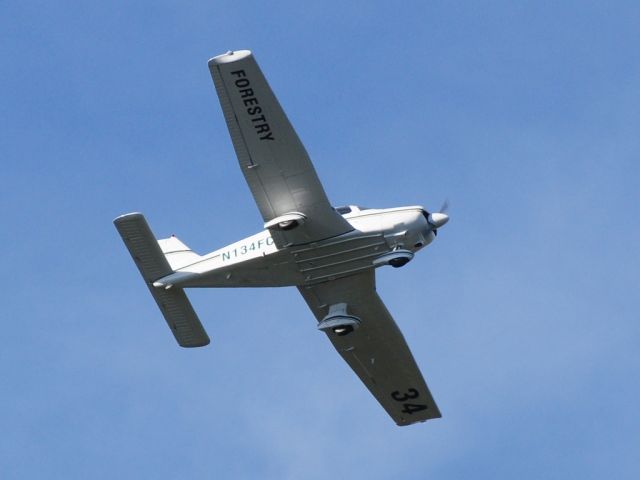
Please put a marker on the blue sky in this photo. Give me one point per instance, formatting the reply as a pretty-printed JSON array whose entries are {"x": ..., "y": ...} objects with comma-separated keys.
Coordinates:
[{"x": 523, "y": 315}]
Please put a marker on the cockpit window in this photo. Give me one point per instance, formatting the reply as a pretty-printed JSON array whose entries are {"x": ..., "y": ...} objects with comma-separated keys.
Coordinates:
[{"x": 350, "y": 209}]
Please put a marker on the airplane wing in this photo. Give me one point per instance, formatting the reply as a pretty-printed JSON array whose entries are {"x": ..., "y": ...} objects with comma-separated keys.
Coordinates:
[
  {"x": 376, "y": 350},
  {"x": 272, "y": 158}
]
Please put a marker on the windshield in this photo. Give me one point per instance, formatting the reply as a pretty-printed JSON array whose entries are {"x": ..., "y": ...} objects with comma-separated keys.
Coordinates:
[{"x": 350, "y": 208}]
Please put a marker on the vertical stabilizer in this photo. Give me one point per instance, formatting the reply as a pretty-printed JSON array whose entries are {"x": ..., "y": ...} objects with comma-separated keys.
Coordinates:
[{"x": 177, "y": 253}]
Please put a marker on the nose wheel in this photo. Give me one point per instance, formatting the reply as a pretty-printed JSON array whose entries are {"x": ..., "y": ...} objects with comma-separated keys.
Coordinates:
[
  {"x": 396, "y": 258},
  {"x": 398, "y": 262}
]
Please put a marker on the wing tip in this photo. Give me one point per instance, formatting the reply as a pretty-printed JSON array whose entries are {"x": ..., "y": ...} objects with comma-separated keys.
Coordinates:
[
  {"x": 196, "y": 344},
  {"x": 406, "y": 421},
  {"x": 126, "y": 216},
  {"x": 229, "y": 57}
]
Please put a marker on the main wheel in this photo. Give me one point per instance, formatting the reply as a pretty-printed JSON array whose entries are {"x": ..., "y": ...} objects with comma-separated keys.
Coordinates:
[
  {"x": 343, "y": 330},
  {"x": 288, "y": 225}
]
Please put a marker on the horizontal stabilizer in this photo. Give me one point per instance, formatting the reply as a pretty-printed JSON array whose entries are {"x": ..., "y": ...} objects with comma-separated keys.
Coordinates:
[{"x": 153, "y": 265}]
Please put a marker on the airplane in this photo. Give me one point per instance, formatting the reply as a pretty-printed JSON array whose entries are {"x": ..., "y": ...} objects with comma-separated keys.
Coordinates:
[{"x": 330, "y": 254}]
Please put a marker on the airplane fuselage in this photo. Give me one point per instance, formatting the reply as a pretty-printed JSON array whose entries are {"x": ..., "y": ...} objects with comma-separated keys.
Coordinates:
[{"x": 256, "y": 261}]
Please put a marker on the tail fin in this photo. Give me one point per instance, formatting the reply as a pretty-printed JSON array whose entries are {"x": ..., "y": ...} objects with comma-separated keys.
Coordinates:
[
  {"x": 177, "y": 253},
  {"x": 153, "y": 265}
]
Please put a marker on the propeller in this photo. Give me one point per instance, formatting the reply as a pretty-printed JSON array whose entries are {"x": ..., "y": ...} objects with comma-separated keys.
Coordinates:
[{"x": 438, "y": 219}]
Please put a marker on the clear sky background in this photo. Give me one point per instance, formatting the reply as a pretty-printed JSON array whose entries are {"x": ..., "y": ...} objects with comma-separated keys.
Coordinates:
[{"x": 523, "y": 315}]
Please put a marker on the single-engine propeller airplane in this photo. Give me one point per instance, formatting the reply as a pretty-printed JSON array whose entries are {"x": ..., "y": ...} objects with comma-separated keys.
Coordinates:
[{"x": 329, "y": 254}]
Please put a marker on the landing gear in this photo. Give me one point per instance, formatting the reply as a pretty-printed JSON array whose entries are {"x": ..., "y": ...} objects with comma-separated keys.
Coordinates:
[
  {"x": 288, "y": 225},
  {"x": 339, "y": 321},
  {"x": 399, "y": 262},
  {"x": 343, "y": 330},
  {"x": 396, "y": 258}
]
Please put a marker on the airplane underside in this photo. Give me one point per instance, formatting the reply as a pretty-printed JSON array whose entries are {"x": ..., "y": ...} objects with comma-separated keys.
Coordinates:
[
  {"x": 329, "y": 253},
  {"x": 381, "y": 237},
  {"x": 334, "y": 258}
]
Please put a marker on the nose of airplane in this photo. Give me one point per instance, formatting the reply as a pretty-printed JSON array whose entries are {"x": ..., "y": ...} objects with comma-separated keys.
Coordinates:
[{"x": 436, "y": 220}]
